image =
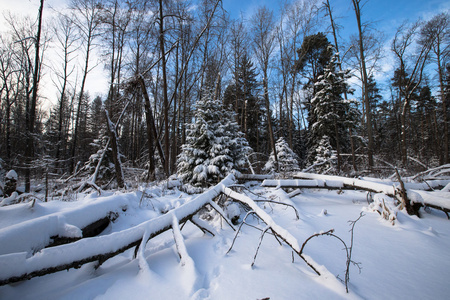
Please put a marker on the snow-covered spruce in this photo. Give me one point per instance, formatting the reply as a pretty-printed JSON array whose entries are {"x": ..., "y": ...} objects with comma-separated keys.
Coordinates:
[
  {"x": 332, "y": 115},
  {"x": 104, "y": 172},
  {"x": 325, "y": 157},
  {"x": 287, "y": 160},
  {"x": 214, "y": 146}
]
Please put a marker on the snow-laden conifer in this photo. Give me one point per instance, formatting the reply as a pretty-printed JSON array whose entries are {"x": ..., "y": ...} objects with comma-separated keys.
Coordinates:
[
  {"x": 324, "y": 157},
  {"x": 287, "y": 159},
  {"x": 214, "y": 145},
  {"x": 334, "y": 116}
]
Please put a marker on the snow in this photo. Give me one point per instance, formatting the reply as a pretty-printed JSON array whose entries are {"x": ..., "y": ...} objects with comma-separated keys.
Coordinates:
[
  {"x": 11, "y": 175},
  {"x": 34, "y": 234},
  {"x": 412, "y": 253}
]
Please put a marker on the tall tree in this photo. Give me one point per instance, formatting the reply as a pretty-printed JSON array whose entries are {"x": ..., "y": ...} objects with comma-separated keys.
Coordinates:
[
  {"x": 263, "y": 26},
  {"x": 86, "y": 18},
  {"x": 64, "y": 33},
  {"x": 437, "y": 32},
  {"x": 31, "y": 109},
  {"x": 242, "y": 96},
  {"x": 357, "y": 8},
  {"x": 333, "y": 114},
  {"x": 403, "y": 40},
  {"x": 314, "y": 55},
  {"x": 298, "y": 20}
]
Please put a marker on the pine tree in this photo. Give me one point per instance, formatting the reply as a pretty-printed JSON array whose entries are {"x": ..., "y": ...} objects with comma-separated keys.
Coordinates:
[
  {"x": 214, "y": 145},
  {"x": 287, "y": 159}
]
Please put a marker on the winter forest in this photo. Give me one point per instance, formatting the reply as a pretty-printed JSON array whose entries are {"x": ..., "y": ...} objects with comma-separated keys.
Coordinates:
[
  {"x": 204, "y": 116},
  {"x": 288, "y": 76}
]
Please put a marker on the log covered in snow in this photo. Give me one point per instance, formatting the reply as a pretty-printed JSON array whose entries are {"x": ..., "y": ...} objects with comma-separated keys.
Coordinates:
[{"x": 19, "y": 266}]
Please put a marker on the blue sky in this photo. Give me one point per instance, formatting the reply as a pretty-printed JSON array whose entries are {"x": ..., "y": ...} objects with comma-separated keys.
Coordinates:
[{"x": 385, "y": 15}]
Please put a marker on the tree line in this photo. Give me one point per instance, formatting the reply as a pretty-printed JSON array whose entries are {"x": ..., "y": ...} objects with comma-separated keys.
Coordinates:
[{"x": 282, "y": 75}]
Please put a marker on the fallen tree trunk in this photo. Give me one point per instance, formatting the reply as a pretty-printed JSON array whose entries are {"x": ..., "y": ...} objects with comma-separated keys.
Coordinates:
[
  {"x": 277, "y": 230},
  {"x": 15, "y": 267},
  {"x": 332, "y": 184},
  {"x": 255, "y": 177},
  {"x": 414, "y": 193},
  {"x": 67, "y": 224}
]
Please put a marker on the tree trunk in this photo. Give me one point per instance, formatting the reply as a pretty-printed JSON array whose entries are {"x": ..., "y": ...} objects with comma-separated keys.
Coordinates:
[
  {"x": 364, "y": 84},
  {"x": 115, "y": 150},
  {"x": 404, "y": 146},
  {"x": 165, "y": 97},
  {"x": 269, "y": 117},
  {"x": 29, "y": 151},
  {"x": 80, "y": 98},
  {"x": 150, "y": 137},
  {"x": 444, "y": 110}
]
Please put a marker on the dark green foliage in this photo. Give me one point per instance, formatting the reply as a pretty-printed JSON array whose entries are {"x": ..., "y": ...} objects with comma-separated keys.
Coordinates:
[
  {"x": 242, "y": 97},
  {"x": 214, "y": 146}
]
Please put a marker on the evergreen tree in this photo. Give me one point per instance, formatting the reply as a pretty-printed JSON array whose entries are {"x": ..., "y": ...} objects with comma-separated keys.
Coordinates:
[
  {"x": 242, "y": 97},
  {"x": 214, "y": 145},
  {"x": 287, "y": 159},
  {"x": 374, "y": 94},
  {"x": 324, "y": 157},
  {"x": 333, "y": 115},
  {"x": 105, "y": 171}
]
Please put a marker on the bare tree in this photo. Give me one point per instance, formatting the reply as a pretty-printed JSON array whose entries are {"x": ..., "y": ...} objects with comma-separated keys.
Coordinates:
[
  {"x": 298, "y": 20},
  {"x": 403, "y": 40},
  {"x": 10, "y": 77},
  {"x": 65, "y": 38},
  {"x": 86, "y": 19},
  {"x": 438, "y": 30},
  {"x": 263, "y": 26},
  {"x": 357, "y": 8},
  {"x": 115, "y": 16}
]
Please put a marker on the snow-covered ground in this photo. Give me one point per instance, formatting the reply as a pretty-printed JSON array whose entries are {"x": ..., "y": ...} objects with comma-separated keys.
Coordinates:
[{"x": 408, "y": 260}]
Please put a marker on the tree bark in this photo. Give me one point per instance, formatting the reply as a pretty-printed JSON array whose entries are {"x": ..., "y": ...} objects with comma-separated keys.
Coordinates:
[
  {"x": 364, "y": 84},
  {"x": 115, "y": 150},
  {"x": 29, "y": 151},
  {"x": 165, "y": 97},
  {"x": 152, "y": 134}
]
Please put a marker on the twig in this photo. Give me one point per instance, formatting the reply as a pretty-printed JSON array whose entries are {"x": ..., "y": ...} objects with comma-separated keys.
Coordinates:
[
  {"x": 259, "y": 244},
  {"x": 239, "y": 229},
  {"x": 281, "y": 203}
]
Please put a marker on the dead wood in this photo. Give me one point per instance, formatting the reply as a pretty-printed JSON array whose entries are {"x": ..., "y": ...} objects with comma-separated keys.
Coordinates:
[
  {"x": 91, "y": 230},
  {"x": 282, "y": 203},
  {"x": 411, "y": 208},
  {"x": 254, "y": 177}
]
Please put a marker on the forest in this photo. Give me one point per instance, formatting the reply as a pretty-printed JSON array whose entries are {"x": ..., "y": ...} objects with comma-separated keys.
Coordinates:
[
  {"x": 264, "y": 156},
  {"x": 273, "y": 78}
]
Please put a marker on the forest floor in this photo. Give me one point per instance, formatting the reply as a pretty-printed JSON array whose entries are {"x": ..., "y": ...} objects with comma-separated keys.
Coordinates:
[{"x": 407, "y": 260}]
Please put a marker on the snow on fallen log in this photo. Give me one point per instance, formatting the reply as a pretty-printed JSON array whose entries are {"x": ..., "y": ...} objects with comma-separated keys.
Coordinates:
[
  {"x": 285, "y": 235},
  {"x": 427, "y": 185},
  {"x": 179, "y": 242},
  {"x": 436, "y": 200},
  {"x": 255, "y": 177},
  {"x": 18, "y": 266},
  {"x": 299, "y": 183},
  {"x": 351, "y": 183},
  {"x": 32, "y": 235}
]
